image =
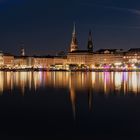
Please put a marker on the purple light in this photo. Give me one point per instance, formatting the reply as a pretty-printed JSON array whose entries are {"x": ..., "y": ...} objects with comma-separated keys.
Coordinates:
[{"x": 106, "y": 67}]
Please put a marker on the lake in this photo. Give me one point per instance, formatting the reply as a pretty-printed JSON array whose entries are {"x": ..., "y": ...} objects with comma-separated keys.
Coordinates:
[{"x": 70, "y": 105}]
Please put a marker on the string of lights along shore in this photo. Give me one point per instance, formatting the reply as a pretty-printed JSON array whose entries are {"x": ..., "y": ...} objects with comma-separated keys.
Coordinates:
[{"x": 75, "y": 59}]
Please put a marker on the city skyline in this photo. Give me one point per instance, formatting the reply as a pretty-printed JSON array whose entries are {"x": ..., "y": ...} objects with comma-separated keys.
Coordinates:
[
  {"x": 70, "y": 69},
  {"x": 115, "y": 24}
]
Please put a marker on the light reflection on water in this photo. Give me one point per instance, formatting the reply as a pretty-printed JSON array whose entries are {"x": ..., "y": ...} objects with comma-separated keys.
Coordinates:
[
  {"x": 92, "y": 82},
  {"x": 80, "y": 90},
  {"x": 106, "y": 82}
]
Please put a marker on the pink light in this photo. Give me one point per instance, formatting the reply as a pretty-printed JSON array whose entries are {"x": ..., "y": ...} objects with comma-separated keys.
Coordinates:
[{"x": 106, "y": 67}]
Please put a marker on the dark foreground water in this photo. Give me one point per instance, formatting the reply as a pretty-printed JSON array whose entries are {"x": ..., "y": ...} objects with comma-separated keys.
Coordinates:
[{"x": 79, "y": 105}]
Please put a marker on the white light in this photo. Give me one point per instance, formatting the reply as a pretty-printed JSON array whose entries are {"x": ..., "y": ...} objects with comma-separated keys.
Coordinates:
[{"x": 118, "y": 63}]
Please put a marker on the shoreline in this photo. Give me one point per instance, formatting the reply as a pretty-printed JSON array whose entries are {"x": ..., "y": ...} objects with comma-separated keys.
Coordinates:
[{"x": 63, "y": 70}]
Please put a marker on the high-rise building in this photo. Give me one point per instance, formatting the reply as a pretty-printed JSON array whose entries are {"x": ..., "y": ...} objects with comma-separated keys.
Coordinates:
[{"x": 74, "y": 43}]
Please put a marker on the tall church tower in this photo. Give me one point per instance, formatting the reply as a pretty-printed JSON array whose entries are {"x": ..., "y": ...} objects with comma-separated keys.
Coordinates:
[
  {"x": 74, "y": 43},
  {"x": 22, "y": 51},
  {"x": 90, "y": 42}
]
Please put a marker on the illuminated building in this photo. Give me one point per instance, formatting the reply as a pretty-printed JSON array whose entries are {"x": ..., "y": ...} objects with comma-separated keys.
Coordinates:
[
  {"x": 132, "y": 56},
  {"x": 74, "y": 43},
  {"x": 108, "y": 56},
  {"x": 6, "y": 60},
  {"x": 43, "y": 62},
  {"x": 21, "y": 62},
  {"x": 1, "y": 59},
  {"x": 50, "y": 62},
  {"x": 81, "y": 58},
  {"x": 76, "y": 59}
]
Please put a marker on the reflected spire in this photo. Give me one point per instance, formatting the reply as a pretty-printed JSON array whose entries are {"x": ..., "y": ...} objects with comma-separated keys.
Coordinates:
[
  {"x": 73, "y": 101},
  {"x": 72, "y": 98},
  {"x": 90, "y": 100},
  {"x": 104, "y": 82}
]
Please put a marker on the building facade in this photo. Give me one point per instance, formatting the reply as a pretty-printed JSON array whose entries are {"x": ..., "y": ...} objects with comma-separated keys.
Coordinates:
[
  {"x": 132, "y": 56},
  {"x": 75, "y": 59},
  {"x": 6, "y": 60}
]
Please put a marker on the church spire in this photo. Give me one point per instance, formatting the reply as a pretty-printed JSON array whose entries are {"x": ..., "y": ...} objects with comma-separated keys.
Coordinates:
[
  {"x": 22, "y": 49},
  {"x": 74, "y": 43},
  {"x": 90, "y": 42},
  {"x": 74, "y": 30}
]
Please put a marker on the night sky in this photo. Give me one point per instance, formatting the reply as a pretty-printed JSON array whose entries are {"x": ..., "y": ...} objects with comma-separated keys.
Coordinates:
[{"x": 46, "y": 25}]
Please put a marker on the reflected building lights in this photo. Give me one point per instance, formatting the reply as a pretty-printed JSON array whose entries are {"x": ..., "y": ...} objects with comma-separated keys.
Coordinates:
[
  {"x": 93, "y": 78},
  {"x": 30, "y": 80},
  {"x": 125, "y": 78},
  {"x": 106, "y": 81},
  {"x": 90, "y": 83},
  {"x": 1, "y": 82},
  {"x": 36, "y": 80},
  {"x": 105, "y": 84},
  {"x": 138, "y": 80},
  {"x": 118, "y": 81},
  {"x": 90, "y": 100},
  {"x": 23, "y": 81},
  {"x": 100, "y": 82},
  {"x": 72, "y": 98},
  {"x": 134, "y": 83}
]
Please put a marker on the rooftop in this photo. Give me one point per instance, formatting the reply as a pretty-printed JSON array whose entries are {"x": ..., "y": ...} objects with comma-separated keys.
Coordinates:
[
  {"x": 109, "y": 51},
  {"x": 134, "y": 50}
]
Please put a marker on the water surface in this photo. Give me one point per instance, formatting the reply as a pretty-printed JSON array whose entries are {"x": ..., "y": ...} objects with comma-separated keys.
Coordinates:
[{"x": 70, "y": 104}]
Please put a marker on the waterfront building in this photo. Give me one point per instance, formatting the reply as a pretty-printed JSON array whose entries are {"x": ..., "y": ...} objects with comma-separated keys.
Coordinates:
[
  {"x": 44, "y": 62},
  {"x": 6, "y": 60},
  {"x": 108, "y": 56},
  {"x": 1, "y": 59},
  {"x": 132, "y": 56},
  {"x": 81, "y": 58},
  {"x": 60, "y": 63},
  {"x": 22, "y": 62},
  {"x": 75, "y": 58},
  {"x": 50, "y": 62}
]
